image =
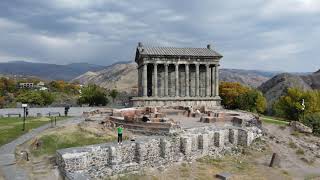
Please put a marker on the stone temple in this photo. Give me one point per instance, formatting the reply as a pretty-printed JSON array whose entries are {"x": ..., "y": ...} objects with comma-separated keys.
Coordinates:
[{"x": 170, "y": 76}]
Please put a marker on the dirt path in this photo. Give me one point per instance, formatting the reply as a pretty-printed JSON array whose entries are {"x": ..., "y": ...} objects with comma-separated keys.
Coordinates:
[
  {"x": 299, "y": 153},
  {"x": 7, "y": 152}
]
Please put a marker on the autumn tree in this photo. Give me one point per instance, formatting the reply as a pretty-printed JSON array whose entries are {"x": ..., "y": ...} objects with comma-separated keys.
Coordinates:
[
  {"x": 2, "y": 101},
  {"x": 229, "y": 92}
]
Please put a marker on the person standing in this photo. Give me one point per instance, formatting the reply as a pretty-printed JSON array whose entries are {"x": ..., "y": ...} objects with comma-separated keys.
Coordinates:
[{"x": 120, "y": 130}]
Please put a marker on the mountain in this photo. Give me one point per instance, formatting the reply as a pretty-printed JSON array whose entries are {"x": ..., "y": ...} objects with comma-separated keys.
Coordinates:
[
  {"x": 277, "y": 86},
  {"x": 124, "y": 76},
  {"x": 253, "y": 78},
  {"x": 47, "y": 71}
]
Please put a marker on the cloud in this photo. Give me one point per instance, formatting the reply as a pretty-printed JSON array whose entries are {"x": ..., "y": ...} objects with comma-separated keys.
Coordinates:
[{"x": 253, "y": 34}]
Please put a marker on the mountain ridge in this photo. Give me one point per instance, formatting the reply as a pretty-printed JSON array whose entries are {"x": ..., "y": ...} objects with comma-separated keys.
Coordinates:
[
  {"x": 123, "y": 76},
  {"x": 47, "y": 71}
]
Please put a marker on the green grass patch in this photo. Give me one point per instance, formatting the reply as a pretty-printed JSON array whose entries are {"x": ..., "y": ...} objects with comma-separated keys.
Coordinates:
[
  {"x": 66, "y": 139},
  {"x": 300, "y": 152},
  {"x": 11, "y": 128},
  {"x": 292, "y": 145},
  {"x": 272, "y": 120}
]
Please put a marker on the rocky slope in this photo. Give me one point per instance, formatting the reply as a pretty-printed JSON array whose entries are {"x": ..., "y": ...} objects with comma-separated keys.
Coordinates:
[
  {"x": 123, "y": 76},
  {"x": 277, "y": 86}
]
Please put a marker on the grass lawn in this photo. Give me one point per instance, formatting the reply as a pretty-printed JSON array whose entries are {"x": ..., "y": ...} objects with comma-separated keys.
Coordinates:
[
  {"x": 66, "y": 138},
  {"x": 273, "y": 120},
  {"x": 11, "y": 128}
]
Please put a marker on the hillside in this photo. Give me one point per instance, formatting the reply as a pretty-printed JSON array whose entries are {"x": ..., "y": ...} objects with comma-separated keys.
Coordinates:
[
  {"x": 47, "y": 71},
  {"x": 123, "y": 76},
  {"x": 276, "y": 86}
]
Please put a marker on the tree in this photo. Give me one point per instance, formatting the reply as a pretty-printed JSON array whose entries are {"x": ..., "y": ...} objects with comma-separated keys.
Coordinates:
[
  {"x": 36, "y": 98},
  {"x": 93, "y": 95},
  {"x": 30, "y": 97},
  {"x": 253, "y": 101},
  {"x": 48, "y": 98},
  {"x": 2, "y": 102},
  {"x": 229, "y": 91},
  {"x": 290, "y": 105},
  {"x": 113, "y": 94}
]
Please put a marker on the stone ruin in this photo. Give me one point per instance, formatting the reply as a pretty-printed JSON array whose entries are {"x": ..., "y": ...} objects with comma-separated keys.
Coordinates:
[{"x": 171, "y": 134}]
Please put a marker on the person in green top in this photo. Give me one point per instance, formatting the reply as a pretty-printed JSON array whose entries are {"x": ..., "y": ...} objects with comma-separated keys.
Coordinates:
[{"x": 120, "y": 129}]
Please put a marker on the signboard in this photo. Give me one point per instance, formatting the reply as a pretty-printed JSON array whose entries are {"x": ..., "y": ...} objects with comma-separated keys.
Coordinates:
[{"x": 24, "y": 105}]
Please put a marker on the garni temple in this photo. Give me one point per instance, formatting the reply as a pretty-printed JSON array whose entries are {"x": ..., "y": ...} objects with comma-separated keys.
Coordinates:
[{"x": 171, "y": 76}]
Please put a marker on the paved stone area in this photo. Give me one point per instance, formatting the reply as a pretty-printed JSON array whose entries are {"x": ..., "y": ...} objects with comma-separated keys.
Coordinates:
[{"x": 7, "y": 152}]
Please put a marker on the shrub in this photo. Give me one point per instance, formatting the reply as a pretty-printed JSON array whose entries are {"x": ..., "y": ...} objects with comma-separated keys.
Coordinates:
[{"x": 313, "y": 121}]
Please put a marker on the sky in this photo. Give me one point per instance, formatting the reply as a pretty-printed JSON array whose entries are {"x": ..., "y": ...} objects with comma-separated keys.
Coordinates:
[{"x": 276, "y": 35}]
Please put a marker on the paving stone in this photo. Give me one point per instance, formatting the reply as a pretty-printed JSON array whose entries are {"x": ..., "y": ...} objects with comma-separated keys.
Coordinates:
[{"x": 224, "y": 176}]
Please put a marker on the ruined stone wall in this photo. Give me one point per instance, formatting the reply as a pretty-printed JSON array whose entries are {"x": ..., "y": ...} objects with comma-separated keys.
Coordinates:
[{"x": 99, "y": 161}]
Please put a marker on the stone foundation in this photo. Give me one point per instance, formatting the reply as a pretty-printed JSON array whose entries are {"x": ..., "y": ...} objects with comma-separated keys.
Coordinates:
[
  {"x": 99, "y": 161},
  {"x": 208, "y": 102}
]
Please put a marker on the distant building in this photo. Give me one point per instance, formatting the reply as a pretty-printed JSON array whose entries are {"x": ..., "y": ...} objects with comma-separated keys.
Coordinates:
[
  {"x": 43, "y": 88},
  {"x": 40, "y": 84},
  {"x": 26, "y": 85}
]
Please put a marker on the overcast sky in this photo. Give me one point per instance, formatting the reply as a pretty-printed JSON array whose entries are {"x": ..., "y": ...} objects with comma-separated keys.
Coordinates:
[{"x": 250, "y": 34}]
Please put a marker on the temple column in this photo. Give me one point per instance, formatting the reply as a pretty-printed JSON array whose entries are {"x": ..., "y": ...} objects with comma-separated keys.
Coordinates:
[
  {"x": 212, "y": 81},
  {"x": 155, "y": 86},
  {"x": 145, "y": 80},
  {"x": 177, "y": 79},
  {"x": 166, "y": 80},
  {"x": 216, "y": 80},
  {"x": 187, "y": 80},
  {"x": 197, "y": 79},
  {"x": 207, "y": 80}
]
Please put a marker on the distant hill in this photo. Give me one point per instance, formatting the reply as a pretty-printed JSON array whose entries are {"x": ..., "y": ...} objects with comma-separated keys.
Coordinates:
[
  {"x": 124, "y": 76},
  {"x": 277, "y": 86},
  {"x": 47, "y": 71}
]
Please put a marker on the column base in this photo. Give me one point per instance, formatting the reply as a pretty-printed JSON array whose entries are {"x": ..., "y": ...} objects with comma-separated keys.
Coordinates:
[{"x": 208, "y": 102}]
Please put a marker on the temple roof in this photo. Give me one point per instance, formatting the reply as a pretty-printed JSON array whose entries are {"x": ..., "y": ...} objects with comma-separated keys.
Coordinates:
[{"x": 174, "y": 51}]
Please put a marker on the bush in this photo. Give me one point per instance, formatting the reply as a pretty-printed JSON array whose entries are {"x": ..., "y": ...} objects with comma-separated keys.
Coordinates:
[{"x": 313, "y": 121}]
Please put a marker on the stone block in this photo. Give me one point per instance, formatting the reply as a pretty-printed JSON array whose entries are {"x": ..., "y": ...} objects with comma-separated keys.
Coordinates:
[
  {"x": 233, "y": 136},
  {"x": 203, "y": 142},
  {"x": 224, "y": 176},
  {"x": 186, "y": 145},
  {"x": 245, "y": 137},
  {"x": 219, "y": 139}
]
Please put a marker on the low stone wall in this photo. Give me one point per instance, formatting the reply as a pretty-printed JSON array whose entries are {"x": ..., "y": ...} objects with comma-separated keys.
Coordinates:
[
  {"x": 99, "y": 161},
  {"x": 154, "y": 128}
]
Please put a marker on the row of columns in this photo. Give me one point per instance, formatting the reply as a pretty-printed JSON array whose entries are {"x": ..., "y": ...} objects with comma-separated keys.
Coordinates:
[{"x": 214, "y": 77}]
